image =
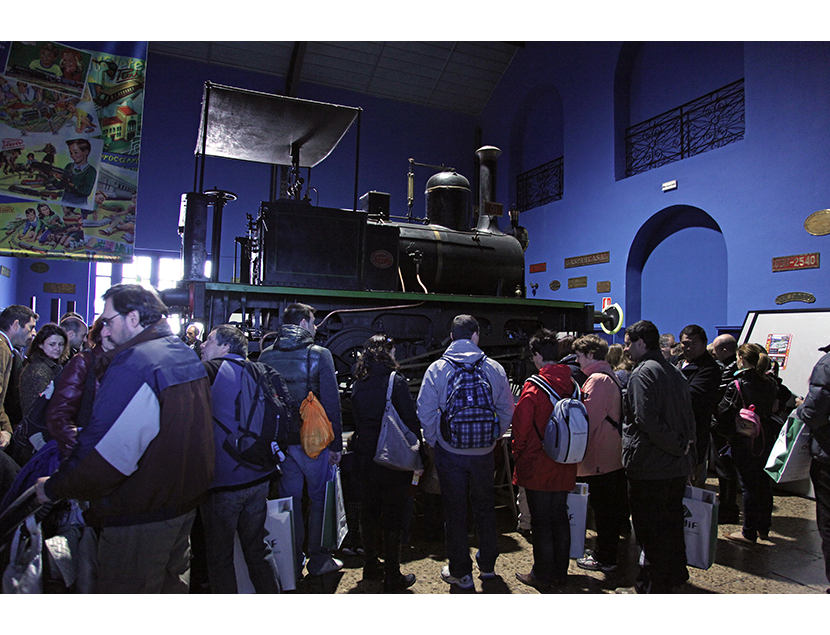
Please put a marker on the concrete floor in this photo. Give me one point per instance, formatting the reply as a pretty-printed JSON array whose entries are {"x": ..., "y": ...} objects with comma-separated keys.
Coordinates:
[{"x": 790, "y": 562}]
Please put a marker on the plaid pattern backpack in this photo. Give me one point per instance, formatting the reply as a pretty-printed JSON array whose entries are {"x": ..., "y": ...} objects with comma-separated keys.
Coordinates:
[{"x": 469, "y": 419}]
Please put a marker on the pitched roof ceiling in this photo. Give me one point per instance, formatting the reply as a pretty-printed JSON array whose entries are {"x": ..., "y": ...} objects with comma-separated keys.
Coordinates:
[{"x": 458, "y": 76}]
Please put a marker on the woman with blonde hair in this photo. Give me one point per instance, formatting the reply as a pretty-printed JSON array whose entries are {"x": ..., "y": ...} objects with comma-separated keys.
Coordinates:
[{"x": 751, "y": 389}]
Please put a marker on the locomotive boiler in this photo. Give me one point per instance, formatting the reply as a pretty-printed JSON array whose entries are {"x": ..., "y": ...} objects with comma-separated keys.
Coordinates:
[{"x": 365, "y": 270}]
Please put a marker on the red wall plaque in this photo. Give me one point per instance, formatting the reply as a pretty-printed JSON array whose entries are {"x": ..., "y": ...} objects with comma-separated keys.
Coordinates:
[{"x": 791, "y": 263}]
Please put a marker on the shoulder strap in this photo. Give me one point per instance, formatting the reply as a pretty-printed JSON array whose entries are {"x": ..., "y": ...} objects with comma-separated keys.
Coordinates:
[
  {"x": 542, "y": 383},
  {"x": 740, "y": 394},
  {"x": 389, "y": 387},
  {"x": 608, "y": 418}
]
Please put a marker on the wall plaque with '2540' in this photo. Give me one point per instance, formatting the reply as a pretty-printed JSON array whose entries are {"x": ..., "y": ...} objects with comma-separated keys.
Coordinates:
[{"x": 791, "y": 263}]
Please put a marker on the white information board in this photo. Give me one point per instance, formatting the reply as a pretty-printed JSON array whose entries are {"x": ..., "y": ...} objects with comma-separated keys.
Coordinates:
[{"x": 793, "y": 338}]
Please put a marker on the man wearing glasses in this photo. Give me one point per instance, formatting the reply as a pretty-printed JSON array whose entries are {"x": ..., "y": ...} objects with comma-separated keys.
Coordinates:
[{"x": 145, "y": 460}]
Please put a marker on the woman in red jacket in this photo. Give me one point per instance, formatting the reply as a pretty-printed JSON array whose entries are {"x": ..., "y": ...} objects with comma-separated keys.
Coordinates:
[{"x": 546, "y": 482}]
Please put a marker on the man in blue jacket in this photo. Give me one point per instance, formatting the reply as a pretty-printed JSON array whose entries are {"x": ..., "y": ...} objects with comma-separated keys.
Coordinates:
[
  {"x": 237, "y": 501},
  {"x": 658, "y": 456},
  {"x": 145, "y": 459}
]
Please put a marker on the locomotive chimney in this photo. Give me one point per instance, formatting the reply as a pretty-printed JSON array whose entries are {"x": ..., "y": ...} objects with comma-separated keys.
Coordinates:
[{"x": 488, "y": 209}]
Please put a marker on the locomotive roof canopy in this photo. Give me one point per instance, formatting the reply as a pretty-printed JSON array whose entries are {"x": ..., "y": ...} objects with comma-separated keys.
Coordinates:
[{"x": 253, "y": 126}]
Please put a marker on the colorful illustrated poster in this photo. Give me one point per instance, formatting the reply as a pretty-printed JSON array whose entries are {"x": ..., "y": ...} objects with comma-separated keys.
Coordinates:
[
  {"x": 778, "y": 348},
  {"x": 70, "y": 134}
]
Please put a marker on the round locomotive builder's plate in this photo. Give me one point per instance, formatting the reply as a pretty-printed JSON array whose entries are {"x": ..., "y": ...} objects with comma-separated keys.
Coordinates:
[{"x": 818, "y": 223}]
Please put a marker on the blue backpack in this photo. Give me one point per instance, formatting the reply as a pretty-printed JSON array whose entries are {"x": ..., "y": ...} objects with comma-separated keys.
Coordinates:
[
  {"x": 469, "y": 419},
  {"x": 566, "y": 434}
]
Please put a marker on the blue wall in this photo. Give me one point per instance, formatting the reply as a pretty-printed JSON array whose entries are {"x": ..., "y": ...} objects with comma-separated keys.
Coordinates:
[
  {"x": 757, "y": 192},
  {"x": 743, "y": 204}
]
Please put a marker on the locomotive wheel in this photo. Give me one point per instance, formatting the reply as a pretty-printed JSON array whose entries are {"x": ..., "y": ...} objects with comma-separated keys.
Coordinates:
[{"x": 344, "y": 347}]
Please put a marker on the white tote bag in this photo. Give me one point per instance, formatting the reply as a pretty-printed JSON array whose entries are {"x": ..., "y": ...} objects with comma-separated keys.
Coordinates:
[
  {"x": 577, "y": 515},
  {"x": 700, "y": 526},
  {"x": 280, "y": 537}
]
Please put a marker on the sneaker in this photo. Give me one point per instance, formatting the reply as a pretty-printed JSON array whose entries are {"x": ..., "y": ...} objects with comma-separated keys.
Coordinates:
[
  {"x": 464, "y": 582},
  {"x": 331, "y": 565},
  {"x": 592, "y": 564},
  {"x": 482, "y": 574}
]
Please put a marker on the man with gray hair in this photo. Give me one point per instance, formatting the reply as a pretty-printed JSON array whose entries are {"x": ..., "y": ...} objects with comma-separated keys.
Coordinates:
[{"x": 145, "y": 459}]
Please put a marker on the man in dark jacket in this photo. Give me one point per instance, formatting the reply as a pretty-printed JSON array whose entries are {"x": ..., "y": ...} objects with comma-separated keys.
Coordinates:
[
  {"x": 306, "y": 368},
  {"x": 658, "y": 455},
  {"x": 237, "y": 501},
  {"x": 815, "y": 413},
  {"x": 729, "y": 513},
  {"x": 145, "y": 459},
  {"x": 703, "y": 374}
]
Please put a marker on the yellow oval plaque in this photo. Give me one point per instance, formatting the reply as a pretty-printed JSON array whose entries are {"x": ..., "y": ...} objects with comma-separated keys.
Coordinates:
[{"x": 818, "y": 223}]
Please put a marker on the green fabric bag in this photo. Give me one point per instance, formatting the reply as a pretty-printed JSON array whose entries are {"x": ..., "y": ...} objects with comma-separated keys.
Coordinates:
[{"x": 790, "y": 457}]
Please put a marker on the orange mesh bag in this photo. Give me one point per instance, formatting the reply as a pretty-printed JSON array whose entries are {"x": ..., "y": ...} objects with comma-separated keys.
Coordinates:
[{"x": 316, "y": 432}]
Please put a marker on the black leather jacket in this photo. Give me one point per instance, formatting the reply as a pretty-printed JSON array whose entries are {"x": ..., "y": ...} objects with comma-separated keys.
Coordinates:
[{"x": 306, "y": 367}]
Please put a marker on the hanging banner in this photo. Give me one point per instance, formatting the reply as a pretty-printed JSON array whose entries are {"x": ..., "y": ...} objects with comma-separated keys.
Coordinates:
[{"x": 70, "y": 134}]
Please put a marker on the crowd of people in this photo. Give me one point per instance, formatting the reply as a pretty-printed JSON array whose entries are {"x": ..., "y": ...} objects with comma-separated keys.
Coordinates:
[{"x": 124, "y": 428}]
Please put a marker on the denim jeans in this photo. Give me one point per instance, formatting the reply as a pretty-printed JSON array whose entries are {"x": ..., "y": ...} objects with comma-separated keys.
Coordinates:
[
  {"x": 468, "y": 477},
  {"x": 551, "y": 535},
  {"x": 657, "y": 516},
  {"x": 820, "y": 475},
  {"x": 241, "y": 511},
  {"x": 146, "y": 558},
  {"x": 299, "y": 468}
]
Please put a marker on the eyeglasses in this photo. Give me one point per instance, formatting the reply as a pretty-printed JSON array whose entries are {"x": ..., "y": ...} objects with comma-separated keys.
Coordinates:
[{"x": 107, "y": 321}]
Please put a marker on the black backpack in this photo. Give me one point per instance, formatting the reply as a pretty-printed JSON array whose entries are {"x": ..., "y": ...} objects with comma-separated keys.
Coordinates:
[{"x": 263, "y": 415}]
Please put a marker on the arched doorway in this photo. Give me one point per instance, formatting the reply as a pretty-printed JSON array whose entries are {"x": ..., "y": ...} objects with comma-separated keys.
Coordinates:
[{"x": 677, "y": 270}]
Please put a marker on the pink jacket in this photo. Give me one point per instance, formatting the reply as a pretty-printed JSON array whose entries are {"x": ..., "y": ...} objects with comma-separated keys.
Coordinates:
[{"x": 601, "y": 396}]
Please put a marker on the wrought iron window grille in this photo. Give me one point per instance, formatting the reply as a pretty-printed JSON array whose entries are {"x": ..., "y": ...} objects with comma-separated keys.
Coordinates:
[
  {"x": 540, "y": 185},
  {"x": 703, "y": 124}
]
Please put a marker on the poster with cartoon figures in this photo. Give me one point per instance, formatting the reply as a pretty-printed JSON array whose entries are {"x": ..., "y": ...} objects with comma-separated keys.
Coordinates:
[{"x": 70, "y": 134}]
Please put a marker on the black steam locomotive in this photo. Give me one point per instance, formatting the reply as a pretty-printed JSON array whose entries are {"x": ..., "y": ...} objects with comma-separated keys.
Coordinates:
[{"x": 365, "y": 271}]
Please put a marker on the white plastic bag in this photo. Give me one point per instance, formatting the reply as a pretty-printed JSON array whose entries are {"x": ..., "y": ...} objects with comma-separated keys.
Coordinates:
[
  {"x": 577, "y": 515},
  {"x": 25, "y": 571}
]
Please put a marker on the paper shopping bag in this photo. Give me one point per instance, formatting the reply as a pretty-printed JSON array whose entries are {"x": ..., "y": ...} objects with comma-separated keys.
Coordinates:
[
  {"x": 790, "y": 457},
  {"x": 700, "y": 526},
  {"x": 280, "y": 537},
  {"x": 335, "y": 526},
  {"x": 577, "y": 515}
]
